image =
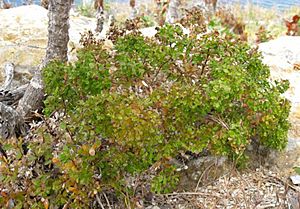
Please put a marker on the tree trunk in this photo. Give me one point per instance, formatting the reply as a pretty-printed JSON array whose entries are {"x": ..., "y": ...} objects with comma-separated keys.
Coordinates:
[
  {"x": 172, "y": 13},
  {"x": 58, "y": 30},
  {"x": 133, "y": 12},
  {"x": 12, "y": 120},
  {"x": 211, "y": 3},
  {"x": 5, "y": 5},
  {"x": 99, "y": 7}
]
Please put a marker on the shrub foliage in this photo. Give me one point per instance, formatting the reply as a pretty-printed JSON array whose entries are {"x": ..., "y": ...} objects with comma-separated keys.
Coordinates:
[{"x": 128, "y": 110}]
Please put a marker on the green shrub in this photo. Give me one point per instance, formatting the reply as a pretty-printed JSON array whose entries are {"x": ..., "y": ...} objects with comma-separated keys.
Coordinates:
[
  {"x": 130, "y": 110},
  {"x": 87, "y": 10}
]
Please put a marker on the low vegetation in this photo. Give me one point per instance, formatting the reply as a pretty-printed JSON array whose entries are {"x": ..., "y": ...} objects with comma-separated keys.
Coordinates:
[
  {"x": 271, "y": 19},
  {"x": 119, "y": 115}
]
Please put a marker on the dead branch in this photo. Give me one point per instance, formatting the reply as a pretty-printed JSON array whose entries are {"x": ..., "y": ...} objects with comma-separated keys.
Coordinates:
[{"x": 29, "y": 98}]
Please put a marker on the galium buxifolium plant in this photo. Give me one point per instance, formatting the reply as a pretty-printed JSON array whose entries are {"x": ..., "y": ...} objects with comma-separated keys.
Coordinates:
[{"x": 143, "y": 102}]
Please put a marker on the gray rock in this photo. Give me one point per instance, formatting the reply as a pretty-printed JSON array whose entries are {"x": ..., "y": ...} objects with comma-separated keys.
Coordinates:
[{"x": 201, "y": 171}]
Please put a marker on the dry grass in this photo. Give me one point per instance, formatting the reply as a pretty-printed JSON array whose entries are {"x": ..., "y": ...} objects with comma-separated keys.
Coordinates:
[{"x": 255, "y": 16}]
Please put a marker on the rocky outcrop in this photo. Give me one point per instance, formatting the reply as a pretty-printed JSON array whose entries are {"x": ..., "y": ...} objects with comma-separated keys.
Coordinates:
[
  {"x": 23, "y": 35},
  {"x": 283, "y": 57}
]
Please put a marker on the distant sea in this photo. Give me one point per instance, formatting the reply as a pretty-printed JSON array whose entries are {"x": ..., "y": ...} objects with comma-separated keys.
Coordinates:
[{"x": 280, "y": 4}]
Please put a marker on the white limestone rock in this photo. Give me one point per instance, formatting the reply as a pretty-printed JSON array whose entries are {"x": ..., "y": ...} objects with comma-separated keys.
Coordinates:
[
  {"x": 23, "y": 34},
  {"x": 281, "y": 55}
]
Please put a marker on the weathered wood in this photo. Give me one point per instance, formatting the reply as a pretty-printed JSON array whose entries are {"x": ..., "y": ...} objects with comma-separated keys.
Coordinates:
[
  {"x": 12, "y": 121},
  {"x": 33, "y": 96},
  {"x": 12, "y": 97},
  {"x": 9, "y": 96},
  {"x": 9, "y": 69},
  {"x": 100, "y": 20},
  {"x": 99, "y": 7},
  {"x": 11, "y": 124}
]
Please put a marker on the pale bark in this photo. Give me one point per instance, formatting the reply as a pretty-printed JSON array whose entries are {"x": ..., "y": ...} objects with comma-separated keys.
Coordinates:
[
  {"x": 100, "y": 20},
  {"x": 99, "y": 7},
  {"x": 10, "y": 96},
  {"x": 9, "y": 75},
  {"x": 57, "y": 49},
  {"x": 133, "y": 12},
  {"x": 11, "y": 123},
  {"x": 12, "y": 120},
  {"x": 172, "y": 13},
  {"x": 212, "y": 3}
]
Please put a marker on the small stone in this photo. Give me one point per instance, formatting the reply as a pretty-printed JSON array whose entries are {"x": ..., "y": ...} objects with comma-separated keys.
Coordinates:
[
  {"x": 152, "y": 207},
  {"x": 295, "y": 179}
]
